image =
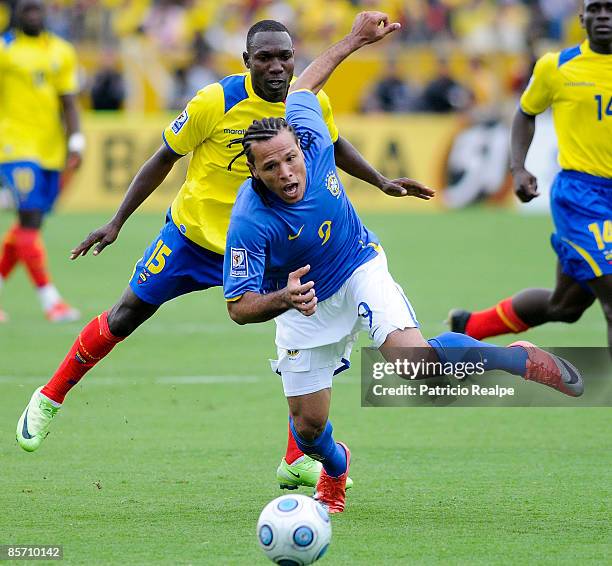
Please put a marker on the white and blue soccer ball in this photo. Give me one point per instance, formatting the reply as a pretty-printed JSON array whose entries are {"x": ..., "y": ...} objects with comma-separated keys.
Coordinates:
[{"x": 294, "y": 530}]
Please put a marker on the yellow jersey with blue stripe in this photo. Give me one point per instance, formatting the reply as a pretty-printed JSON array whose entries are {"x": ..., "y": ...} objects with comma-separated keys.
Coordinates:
[
  {"x": 34, "y": 73},
  {"x": 577, "y": 84},
  {"x": 217, "y": 116}
]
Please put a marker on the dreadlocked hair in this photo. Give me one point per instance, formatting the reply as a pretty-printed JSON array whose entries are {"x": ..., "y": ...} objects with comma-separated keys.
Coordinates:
[{"x": 260, "y": 130}]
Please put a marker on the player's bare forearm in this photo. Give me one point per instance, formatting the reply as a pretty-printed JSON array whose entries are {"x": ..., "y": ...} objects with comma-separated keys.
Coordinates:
[
  {"x": 523, "y": 130},
  {"x": 366, "y": 29},
  {"x": 76, "y": 140},
  {"x": 254, "y": 307},
  {"x": 352, "y": 162},
  {"x": 70, "y": 114},
  {"x": 150, "y": 176}
]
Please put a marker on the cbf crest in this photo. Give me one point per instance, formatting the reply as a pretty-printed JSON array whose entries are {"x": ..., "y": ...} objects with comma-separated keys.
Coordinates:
[
  {"x": 239, "y": 263},
  {"x": 333, "y": 185}
]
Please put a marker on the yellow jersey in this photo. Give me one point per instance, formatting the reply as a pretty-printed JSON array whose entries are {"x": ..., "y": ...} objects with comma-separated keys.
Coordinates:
[
  {"x": 219, "y": 114},
  {"x": 577, "y": 84},
  {"x": 34, "y": 73}
]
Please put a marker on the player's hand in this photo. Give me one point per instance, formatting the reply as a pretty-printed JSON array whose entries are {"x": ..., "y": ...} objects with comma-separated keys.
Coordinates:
[
  {"x": 102, "y": 236},
  {"x": 370, "y": 27},
  {"x": 301, "y": 296},
  {"x": 404, "y": 187},
  {"x": 525, "y": 185},
  {"x": 73, "y": 162}
]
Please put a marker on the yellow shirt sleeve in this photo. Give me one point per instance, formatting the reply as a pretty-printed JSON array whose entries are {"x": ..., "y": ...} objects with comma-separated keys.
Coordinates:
[
  {"x": 328, "y": 116},
  {"x": 197, "y": 121},
  {"x": 66, "y": 81},
  {"x": 539, "y": 94}
]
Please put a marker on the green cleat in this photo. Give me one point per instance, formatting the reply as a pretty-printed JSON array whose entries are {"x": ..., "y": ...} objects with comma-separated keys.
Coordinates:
[
  {"x": 34, "y": 421},
  {"x": 306, "y": 473}
]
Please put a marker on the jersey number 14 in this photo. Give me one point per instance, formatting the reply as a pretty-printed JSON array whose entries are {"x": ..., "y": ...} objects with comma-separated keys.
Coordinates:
[{"x": 600, "y": 107}]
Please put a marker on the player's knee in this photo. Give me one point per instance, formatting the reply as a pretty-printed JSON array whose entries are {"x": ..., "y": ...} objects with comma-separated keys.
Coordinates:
[
  {"x": 123, "y": 320},
  {"x": 309, "y": 427},
  {"x": 120, "y": 321},
  {"x": 128, "y": 314}
]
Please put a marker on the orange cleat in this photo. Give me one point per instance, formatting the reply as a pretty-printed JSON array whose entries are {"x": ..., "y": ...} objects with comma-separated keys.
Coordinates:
[
  {"x": 3, "y": 316},
  {"x": 330, "y": 491},
  {"x": 62, "y": 312},
  {"x": 551, "y": 370}
]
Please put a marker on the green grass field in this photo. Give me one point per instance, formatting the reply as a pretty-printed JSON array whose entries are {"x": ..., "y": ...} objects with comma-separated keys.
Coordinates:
[{"x": 148, "y": 466}]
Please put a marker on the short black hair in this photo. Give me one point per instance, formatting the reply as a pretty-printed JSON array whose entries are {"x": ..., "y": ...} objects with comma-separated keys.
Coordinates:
[{"x": 263, "y": 25}]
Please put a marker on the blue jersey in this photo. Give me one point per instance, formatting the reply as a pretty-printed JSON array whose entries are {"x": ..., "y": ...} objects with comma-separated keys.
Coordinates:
[{"x": 268, "y": 240}]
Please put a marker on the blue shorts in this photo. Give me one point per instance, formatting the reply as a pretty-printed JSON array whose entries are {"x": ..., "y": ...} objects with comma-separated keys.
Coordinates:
[
  {"x": 173, "y": 265},
  {"x": 33, "y": 188},
  {"x": 581, "y": 207}
]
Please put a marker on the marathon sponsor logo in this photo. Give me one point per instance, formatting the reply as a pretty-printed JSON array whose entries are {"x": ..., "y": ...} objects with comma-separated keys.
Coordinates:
[{"x": 234, "y": 132}]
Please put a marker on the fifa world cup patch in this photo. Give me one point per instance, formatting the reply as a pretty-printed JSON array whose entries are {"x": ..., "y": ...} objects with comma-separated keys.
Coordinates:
[
  {"x": 333, "y": 185},
  {"x": 178, "y": 124},
  {"x": 240, "y": 265}
]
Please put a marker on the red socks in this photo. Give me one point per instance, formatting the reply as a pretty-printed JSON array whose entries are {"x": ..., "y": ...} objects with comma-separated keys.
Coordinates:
[
  {"x": 9, "y": 257},
  {"x": 31, "y": 252},
  {"x": 500, "y": 319},
  {"x": 293, "y": 452},
  {"x": 25, "y": 245},
  {"x": 93, "y": 343}
]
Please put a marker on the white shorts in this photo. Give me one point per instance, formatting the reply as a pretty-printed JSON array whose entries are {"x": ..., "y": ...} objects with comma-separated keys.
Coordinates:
[{"x": 311, "y": 350}]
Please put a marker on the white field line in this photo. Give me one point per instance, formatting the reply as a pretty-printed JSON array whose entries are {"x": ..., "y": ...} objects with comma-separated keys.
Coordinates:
[{"x": 164, "y": 380}]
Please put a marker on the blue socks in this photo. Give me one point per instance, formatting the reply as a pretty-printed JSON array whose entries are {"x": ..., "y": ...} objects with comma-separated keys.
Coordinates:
[
  {"x": 323, "y": 448},
  {"x": 454, "y": 347}
]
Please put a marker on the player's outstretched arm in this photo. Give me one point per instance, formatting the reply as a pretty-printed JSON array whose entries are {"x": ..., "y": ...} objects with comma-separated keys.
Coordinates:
[
  {"x": 254, "y": 307},
  {"x": 368, "y": 27},
  {"x": 352, "y": 162},
  {"x": 150, "y": 176},
  {"x": 523, "y": 130}
]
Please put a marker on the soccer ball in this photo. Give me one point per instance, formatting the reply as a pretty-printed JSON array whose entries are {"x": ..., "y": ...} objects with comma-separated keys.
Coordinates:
[{"x": 294, "y": 530}]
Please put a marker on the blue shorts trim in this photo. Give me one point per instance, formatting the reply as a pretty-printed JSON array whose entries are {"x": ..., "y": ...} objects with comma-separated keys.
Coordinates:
[
  {"x": 173, "y": 265},
  {"x": 33, "y": 188},
  {"x": 581, "y": 206}
]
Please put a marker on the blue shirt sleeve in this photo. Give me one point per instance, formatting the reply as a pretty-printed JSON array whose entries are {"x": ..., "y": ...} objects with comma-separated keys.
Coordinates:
[
  {"x": 245, "y": 258},
  {"x": 304, "y": 113}
]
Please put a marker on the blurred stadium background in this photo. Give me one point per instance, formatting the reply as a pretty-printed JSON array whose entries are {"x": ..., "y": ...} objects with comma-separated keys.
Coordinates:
[{"x": 433, "y": 103}]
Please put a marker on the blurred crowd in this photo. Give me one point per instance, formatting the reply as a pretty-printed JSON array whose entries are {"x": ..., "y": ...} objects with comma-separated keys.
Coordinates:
[{"x": 190, "y": 35}]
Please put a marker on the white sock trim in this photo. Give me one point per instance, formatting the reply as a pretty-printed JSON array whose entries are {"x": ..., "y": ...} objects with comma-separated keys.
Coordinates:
[{"x": 49, "y": 296}]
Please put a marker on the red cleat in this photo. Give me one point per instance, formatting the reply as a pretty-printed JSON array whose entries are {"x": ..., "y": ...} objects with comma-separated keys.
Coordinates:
[
  {"x": 331, "y": 492},
  {"x": 551, "y": 370},
  {"x": 62, "y": 312}
]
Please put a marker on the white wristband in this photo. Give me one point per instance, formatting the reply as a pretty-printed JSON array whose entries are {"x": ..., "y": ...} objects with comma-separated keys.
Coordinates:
[{"x": 76, "y": 143}]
